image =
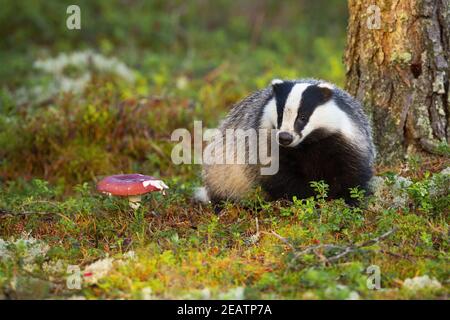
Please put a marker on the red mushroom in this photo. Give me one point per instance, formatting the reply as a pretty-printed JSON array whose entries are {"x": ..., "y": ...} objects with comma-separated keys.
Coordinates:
[{"x": 132, "y": 186}]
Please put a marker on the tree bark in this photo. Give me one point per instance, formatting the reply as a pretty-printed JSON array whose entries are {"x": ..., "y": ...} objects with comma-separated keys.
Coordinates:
[{"x": 399, "y": 69}]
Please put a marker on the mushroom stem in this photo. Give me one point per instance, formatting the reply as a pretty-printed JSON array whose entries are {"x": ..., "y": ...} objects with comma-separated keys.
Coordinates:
[{"x": 134, "y": 201}]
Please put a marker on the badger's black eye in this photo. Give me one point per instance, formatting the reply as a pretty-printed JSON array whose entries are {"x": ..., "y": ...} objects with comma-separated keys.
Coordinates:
[{"x": 302, "y": 117}]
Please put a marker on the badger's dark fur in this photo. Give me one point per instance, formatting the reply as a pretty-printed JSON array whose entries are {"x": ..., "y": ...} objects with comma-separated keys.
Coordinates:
[
  {"x": 323, "y": 135},
  {"x": 332, "y": 160}
]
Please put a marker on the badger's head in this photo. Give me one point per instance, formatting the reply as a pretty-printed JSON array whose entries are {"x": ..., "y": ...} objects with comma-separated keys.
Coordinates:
[{"x": 300, "y": 109}]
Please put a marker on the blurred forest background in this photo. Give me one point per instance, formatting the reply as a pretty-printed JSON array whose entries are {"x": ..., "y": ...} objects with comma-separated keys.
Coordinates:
[
  {"x": 158, "y": 65},
  {"x": 185, "y": 37}
]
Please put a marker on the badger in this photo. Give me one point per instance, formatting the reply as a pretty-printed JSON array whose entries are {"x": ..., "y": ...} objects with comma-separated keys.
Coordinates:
[{"x": 322, "y": 133}]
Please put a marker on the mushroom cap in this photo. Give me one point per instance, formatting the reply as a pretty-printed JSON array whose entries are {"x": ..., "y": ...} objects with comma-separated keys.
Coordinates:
[{"x": 130, "y": 185}]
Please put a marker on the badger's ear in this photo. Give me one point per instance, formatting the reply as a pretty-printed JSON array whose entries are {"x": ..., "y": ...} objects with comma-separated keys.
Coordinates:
[
  {"x": 276, "y": 85},
  {"x": 276, "y": 82}
]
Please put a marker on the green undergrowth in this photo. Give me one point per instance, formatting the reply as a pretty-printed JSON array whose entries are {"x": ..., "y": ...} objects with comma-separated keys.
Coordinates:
[{"x": 255, "y": 249}]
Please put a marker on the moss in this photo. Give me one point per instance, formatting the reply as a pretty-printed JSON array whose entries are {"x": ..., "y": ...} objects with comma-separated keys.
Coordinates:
[
  {"x": 403, "y": 58},
  {"x": 166, "y": 250}
]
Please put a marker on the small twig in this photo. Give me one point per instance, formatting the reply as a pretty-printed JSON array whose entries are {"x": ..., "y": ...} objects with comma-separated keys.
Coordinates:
[
  {"x": 377, "y": 239},
  {"x": 342, "y": 254},
  {"x": 344, "y": 250},
  {"x": 4, "y": 213},
  {"x": 281, "y": 239},
  {"x": 316, "y": 247},
  {"x": 354, "y": 248}
]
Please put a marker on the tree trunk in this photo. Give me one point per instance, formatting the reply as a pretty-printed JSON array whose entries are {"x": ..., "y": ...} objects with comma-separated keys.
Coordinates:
[{"x": 398, "y": 66}]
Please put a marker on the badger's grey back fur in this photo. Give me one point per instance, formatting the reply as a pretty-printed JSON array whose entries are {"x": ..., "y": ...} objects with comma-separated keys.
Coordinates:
[
  {"x": 233, "y": 181},
  {"x": 247, "y": 113}
]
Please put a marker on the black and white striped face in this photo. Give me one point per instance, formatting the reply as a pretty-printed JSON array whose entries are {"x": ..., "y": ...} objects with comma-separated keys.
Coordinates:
[{"x": 298, "y": 109}]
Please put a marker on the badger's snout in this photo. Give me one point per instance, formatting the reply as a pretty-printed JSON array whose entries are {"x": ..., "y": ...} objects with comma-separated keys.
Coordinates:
[{"x": 285, "y": 138}]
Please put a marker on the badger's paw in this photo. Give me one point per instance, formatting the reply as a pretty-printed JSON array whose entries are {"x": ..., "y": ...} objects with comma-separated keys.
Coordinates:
[{"x": 201, "y": 196}]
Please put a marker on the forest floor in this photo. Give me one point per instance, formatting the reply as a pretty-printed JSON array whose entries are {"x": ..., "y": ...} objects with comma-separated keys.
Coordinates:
[{"x": 83, "y": 244}]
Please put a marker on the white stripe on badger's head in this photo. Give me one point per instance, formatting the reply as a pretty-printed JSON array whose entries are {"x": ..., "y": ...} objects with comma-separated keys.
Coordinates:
[
  {"x": 290, "y": 112},
  {"x": 300, "y": 108},
  {"x": 269, "y": 117},
  {"x": 331, "y": 118}
]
